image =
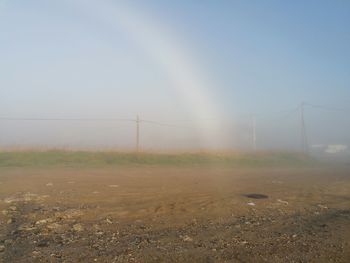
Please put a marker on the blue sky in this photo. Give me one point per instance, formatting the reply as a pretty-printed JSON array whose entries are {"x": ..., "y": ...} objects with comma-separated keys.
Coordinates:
[
  {"x": 292, "y": 50},
  {"x": 59, "y": 60}
]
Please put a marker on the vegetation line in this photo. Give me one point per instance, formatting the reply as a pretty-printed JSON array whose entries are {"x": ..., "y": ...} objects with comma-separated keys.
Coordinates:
[{"x": 102, "y": 159}]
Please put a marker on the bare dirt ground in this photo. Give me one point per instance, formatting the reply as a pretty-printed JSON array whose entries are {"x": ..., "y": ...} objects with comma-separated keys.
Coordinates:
[{"x": 169, "y": 214}]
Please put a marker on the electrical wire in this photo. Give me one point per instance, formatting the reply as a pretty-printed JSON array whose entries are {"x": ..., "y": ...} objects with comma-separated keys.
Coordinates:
[
  {"x": 64, "y": 119},
  {"x": 325, "y": 107},
  {"x": 286, "y": 113},
  {"x": 162, "y": 124}
]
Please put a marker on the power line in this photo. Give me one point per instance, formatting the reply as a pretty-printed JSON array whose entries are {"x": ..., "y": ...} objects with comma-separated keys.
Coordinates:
[
  {"x": 132, "y": 120},
  {"x": 92, "y": 119},
  {"x": 325, "y": 107},
  {"x": 287, "y": 114},
  {"x": 284, "y": 114},
  {"x": 64, "y": 119},
  {"x": 161, "y": 124},
  {"x": 286, "y": 111}
]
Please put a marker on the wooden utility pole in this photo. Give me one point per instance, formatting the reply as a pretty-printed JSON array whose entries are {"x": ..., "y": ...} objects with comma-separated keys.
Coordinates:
[
  {"x": 137, "y": 133},
  {"x": 254, "y": 132},
  {"x": 304, "y": 144}
]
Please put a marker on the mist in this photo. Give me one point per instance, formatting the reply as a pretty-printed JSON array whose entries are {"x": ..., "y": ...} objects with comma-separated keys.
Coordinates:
[
  {"x": 174, "y": 131},
  {"x": 76, "y": 74}
]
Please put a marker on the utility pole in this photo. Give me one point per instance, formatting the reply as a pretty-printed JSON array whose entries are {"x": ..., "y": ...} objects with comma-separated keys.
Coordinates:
[
  {"x": 254, "y": 132},
  {"x": 304, "y": 143},
  {"x": 137, "y": 133}
]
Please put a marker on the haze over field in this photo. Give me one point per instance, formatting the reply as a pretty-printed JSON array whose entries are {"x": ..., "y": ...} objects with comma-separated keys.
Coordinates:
[
  {"x": 174, "y": 131},
  {"x": 199, "y": 69}
]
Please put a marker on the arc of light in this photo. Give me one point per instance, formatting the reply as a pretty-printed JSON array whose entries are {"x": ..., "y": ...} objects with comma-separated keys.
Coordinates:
[{"x": 168, "y": 53}]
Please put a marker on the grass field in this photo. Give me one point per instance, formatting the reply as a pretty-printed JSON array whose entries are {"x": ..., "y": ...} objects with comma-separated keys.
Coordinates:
[{"x": 103, "y": 159}]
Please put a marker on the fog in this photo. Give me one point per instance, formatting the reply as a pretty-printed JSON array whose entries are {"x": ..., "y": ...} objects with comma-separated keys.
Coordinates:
[
  {"x": 75, "y": 74},
  {"x": 181, "y": 131}
]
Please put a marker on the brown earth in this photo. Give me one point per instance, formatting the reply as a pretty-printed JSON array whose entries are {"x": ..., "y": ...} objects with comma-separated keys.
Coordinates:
[{"x": 170, "y": 214}]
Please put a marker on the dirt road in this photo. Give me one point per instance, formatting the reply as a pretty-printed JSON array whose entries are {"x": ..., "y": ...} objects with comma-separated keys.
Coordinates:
[{"x": 169, "y": 214}]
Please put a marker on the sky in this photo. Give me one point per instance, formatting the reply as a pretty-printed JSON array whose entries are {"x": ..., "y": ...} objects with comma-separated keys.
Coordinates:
[{"x": 204, "y": 68}]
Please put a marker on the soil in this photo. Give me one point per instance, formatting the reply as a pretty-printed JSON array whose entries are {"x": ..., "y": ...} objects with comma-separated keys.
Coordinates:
[{"x": 172, "y": 214}]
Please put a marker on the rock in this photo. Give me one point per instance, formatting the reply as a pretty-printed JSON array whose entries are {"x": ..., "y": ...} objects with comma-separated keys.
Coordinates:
[
  {"x": 56, "y": 255},
  {"x": 5, "y": 212},
  {"x": 2, "y": 248},
  {"x": 70, "y": 213},
  {"x": 43, "y": 221},
  {"x": 10, "y": 200},
  {"x": 57, "y": 228},
  {"x": 78, "y": 227},
  {"x": 43, "y": 243},
  {"x": 54, "y": 226},
  {"x": 56, "y": 208},
  {"x": 282, "y": 202},
  {"x": 8, "y": 242},
  {"x": 49, "y": 184},
  {"x": 251, "y": 204},
  {"x": 13, "y": 208},
  {"x": 96, "y": 227},
  {"x": 26, "y": 227},
  {"x": 186, "y": 238},
  {"x": 24, "y": 197}
]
